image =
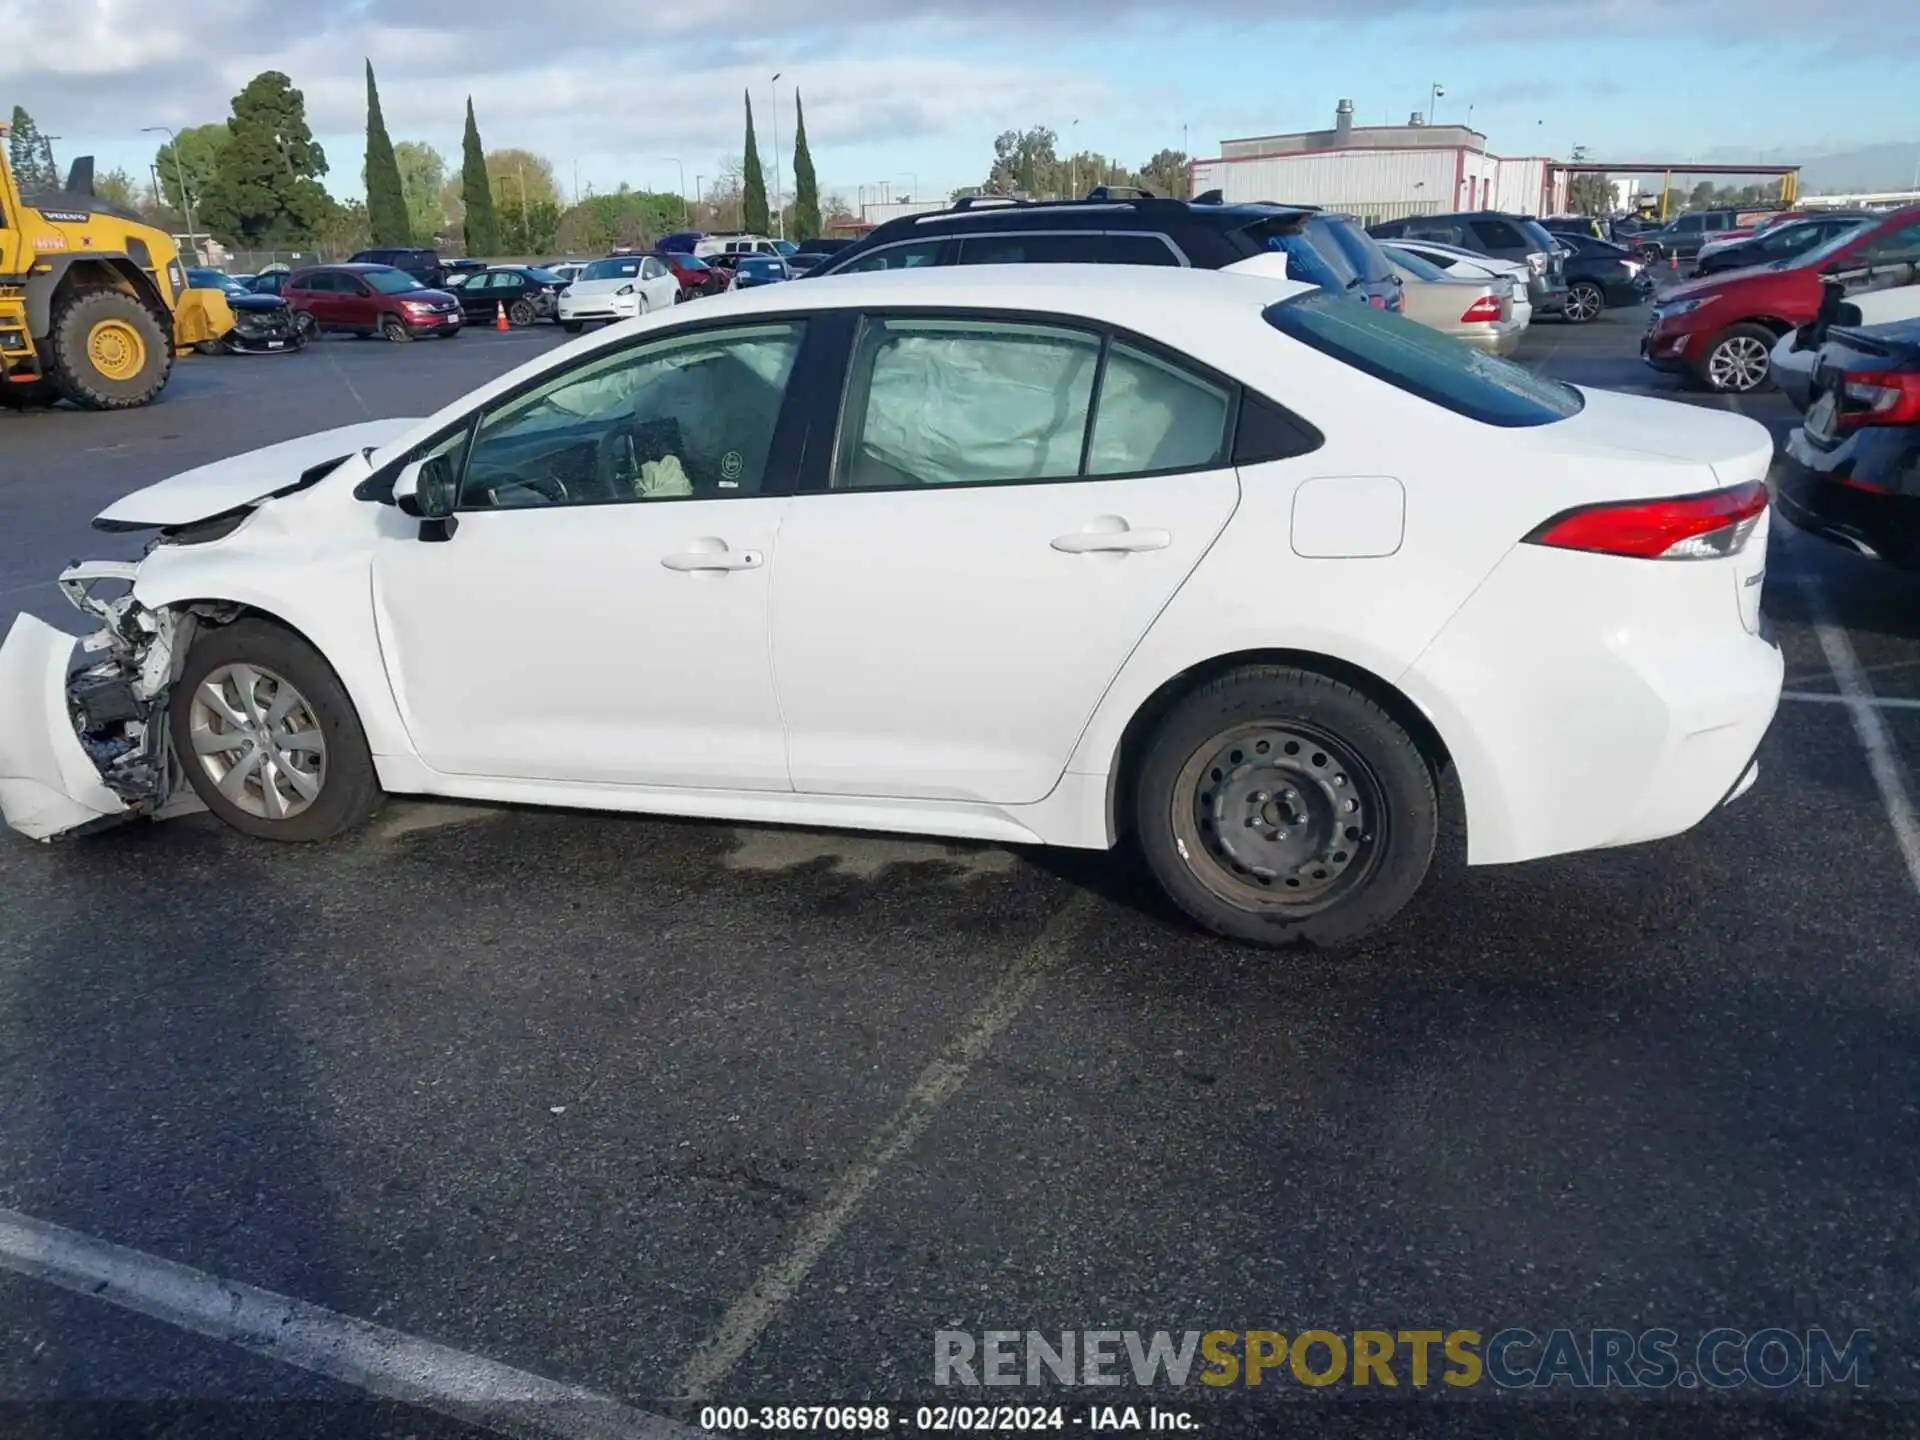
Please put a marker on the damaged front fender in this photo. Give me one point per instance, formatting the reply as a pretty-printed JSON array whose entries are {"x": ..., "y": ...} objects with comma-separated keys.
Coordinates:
[{"x": 82, "y": 749}]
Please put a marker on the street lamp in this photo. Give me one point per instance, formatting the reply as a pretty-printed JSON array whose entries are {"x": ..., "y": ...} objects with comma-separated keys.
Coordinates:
[
  {"x": 1433, "y": 102},
  {"x": 1073, "y": 163},
  {"x": 780, "y": 219},
  {"x": 685, "y": 218},
  {"x": 180, "y": 178}
]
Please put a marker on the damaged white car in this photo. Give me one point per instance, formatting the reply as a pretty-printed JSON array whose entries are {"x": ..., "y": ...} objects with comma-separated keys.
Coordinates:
[{"x": 1229, "y": 566}]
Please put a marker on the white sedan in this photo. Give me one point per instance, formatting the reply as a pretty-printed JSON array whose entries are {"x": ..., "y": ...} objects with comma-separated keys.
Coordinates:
[
  {"x": 1472, "y": 265},
  {"x": 621, "y": 287},
  {"x": 1225, "y": 567}
]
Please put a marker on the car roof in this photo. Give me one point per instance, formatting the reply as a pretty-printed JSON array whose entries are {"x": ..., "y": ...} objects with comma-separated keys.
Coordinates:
[{"x": 993, "y": 213}]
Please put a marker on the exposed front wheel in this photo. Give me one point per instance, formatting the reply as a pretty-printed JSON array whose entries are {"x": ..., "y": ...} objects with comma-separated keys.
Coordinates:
[
  {"x": 395, "y": 330},
  {"x": 267, "y": 737},
  {"x": 522, "y": 313},
  {"x": 1279, "y": 806},
  {"x": 1585, "y": 301},
  {"x": 1738, "y": 361}
]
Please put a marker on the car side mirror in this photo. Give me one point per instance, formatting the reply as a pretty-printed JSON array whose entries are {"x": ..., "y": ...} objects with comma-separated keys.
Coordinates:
[{"x": 424, "y": 489}]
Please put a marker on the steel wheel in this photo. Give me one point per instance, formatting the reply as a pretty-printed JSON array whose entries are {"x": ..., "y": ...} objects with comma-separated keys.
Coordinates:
[
  {"x": 1584, "y": 302},
  {"x": 116, "y": 349},
  {"x": 258, "y": 740},
  {"x": 1737, "y": 364},
  {"x": 1281, "y": 816}
]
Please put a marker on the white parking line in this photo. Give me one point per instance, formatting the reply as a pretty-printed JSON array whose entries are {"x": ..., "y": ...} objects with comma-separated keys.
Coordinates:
[
  {"x": 749, "y": 1316},
  {"x": 1883, "y": 762},
  {"x": 1878, "y": 702},
  {"x": 369, "y": 1357}
]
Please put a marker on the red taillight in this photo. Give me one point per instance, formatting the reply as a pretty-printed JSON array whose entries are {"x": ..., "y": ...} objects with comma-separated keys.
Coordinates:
[
  {"x": 1483, "y": 311},
  {"x": 1685, "y": 527},
  {"x": 1890, "y": 399}
]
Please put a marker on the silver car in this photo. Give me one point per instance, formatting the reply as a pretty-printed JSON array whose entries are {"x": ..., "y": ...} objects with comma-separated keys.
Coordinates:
[{"x": 1478, "y": 311}]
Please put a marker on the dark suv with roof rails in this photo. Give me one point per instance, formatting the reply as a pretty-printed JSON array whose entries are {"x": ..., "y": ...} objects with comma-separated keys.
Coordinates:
[{"x": 1134, "y": 228}]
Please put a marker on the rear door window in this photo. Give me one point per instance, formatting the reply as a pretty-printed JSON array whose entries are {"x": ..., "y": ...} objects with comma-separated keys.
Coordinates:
[
  {"x": 1496, "y": 235},
  {"x": 1423, "y": 362},
  {"x": 909, "y": 256},
  {"x": 1086, "y": 248}
]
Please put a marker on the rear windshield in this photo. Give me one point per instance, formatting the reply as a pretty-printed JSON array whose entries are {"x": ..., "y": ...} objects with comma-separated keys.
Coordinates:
[
  {"x": 1537, "y": 235},
  {"x": 1424, "y": 362},
  {"x": 1358, "y": 247}
]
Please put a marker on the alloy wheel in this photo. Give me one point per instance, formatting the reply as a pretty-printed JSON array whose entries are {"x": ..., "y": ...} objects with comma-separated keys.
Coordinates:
[
  {"x": 1738, "y": 364},
  {"x": 257, "y": 739},
  {"x": 1584, "y": 302}
]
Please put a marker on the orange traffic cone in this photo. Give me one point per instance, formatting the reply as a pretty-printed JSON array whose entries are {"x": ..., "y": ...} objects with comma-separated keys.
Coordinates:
[{"x": 500, "y": 316}]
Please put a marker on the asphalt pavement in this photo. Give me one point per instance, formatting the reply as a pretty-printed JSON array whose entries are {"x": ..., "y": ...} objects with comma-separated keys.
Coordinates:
[{"x": 676, "y": 1112}]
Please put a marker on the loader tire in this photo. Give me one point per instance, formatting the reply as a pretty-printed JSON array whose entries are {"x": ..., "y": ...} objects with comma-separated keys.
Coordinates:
[{"x": 107, "y": 351}]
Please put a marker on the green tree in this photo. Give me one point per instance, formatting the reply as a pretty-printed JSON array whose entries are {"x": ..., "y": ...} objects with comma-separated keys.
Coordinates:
[
  {"x": 386, "y": 201},
  {"x": 265, "y": 193},
  {"x": 116, "y": 186},
  {"x": 1166, "y": 173},
  {"x": 1590, "y": 195},
  {"x": 754, "y": 217},
  {"x": 476, "y": 197},
  {"x": 27, "y": 153},
  {"x": 1025, "y": 163},
  {"x": 423, "y": 180},
  {"x": 806, "y": 186},
  {"x": 522, "y": 177},
  {"x": 200, "y": 147}
]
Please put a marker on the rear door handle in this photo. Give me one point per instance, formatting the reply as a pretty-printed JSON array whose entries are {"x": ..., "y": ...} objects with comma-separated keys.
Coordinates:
[
  {"x": 698, "y": 560},
  {"x": 1087, "y": 542}
]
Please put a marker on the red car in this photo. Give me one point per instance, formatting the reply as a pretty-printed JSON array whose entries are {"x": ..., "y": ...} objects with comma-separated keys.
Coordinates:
[
  {"x": 693, "y": 275},
  {"x": 369, "y": 300},
  {"x": 1722, "y": 330}
]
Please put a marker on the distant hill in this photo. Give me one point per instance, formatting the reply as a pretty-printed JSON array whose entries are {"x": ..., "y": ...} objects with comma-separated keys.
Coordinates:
[{"x": 1889, "y": 166}]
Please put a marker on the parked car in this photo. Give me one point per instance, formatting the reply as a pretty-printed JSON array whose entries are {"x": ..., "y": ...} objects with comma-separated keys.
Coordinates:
[
  {"x": 567, "y": 270},
  {"x": 1576, "y": 225},
  {"x": 812, "y": 253},
  {"x": 463, "y": 267},
  {"x": 1476, "y": 312},
  {"x": 1506, "y": 237},
  {"x": 424, "y": 265},
  {"x": 200, "y": 277},
  {"x": 618, "y": 288},
  {"x": 1471, "y": 265},
  {"x": 1777, "y": 242},
  {"x": 262, "y": 324},
  {"x": 1026, "y": 527},
  {"x": 269, "y": 282},
  {"x": 1851, "y": 473},
  {"x": 1790, "y": 367},
  {"x": 734, "y": 243},
  {"x": 1682, "y": 237},
  {"x": 1289, "y": 240},
  {"x": 526, "y": 294},
  {"x": 1722, "y": 330},
  {"x": 1601, "y": 276},
  {"x": 760, "y": 270},
  {"x": 681, "y": 242},
  {"x": 364, "y": 299},
  {"x": 693, "y": 275}
]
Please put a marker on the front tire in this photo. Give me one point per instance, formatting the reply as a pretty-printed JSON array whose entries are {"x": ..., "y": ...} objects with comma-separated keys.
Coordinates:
[
  {"x": 108, "y": 352},
  {"x": 395, "y": 331},
  {"x": 572, "y": 327},
  {"x": 267, "y": 736},
  {"x": 1279, "y": 806},
  {"x": 1738, "y": 361},
  {"x": 1585, "y": 302},
  {"x": 305, "y": 327}
]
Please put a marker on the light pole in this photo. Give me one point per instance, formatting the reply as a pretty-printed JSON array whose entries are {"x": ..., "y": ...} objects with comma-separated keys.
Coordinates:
[
  {"x": 779, "y": 217},
  {"x": 912, "y": 180},
  {"x": 1073, "y": 163},
  {"x": 180, "y": 178},
  {"x": 1433, "y": 102},
  {"x": 685, "y": 218}
]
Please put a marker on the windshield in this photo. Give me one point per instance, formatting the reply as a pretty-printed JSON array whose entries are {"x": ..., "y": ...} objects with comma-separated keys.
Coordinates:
[
  {"x": 1423, "y": 362},
  {"x": 1822, "y": 252},
  {"x": 620, "y": 268},
  {"x": 1537, "y": 235},
  {"x": 1358, "y": 248},
  {"x": 687, "y": 262},
  {"x": 391, "y": 282},
  {"x": 544, "y": 277}
]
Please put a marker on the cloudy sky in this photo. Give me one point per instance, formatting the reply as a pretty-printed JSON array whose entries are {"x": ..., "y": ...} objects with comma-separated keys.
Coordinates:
[{"x": 913, "y": 93}]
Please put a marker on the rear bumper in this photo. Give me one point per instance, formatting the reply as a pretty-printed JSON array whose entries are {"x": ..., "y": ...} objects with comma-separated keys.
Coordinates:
[
  {"x": 1812, "y": 491},
  {"x": 1496, "y": 340}
]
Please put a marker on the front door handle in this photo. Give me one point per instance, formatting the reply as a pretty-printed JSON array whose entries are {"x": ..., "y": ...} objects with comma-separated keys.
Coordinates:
[
  {"x": 717, "y": 558},
  {"x": 1125, "y": 541}
]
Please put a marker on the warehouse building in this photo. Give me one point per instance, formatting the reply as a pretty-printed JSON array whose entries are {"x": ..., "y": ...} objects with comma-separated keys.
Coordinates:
[{"x": 1381, "y": 172}]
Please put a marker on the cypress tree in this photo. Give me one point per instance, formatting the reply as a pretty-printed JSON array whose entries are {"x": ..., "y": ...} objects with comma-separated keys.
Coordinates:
[
  {"x": 386, "y": 199},
  {"x": 806, "y": 187},
  {"x": 482, "y": 229},
  {"x": 753, "y": 202}
]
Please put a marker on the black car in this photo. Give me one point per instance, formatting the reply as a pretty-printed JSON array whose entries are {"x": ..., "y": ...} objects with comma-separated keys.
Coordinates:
[
  {"x": 423, "y": 265},
  {"x": 1505, "y": 237},
  {"x": 1558, "y": 225},
  {"x": 1851, "y": 473},
  {"x": 1680, "y": 238},
  {"x": 1321, "y": 248},
  {"x": 1783, "y": 241},
  {"x": 1600, "y": 276},
  {"x": 814, "y": 253},
  {"x": 262, "y": 324},
  {"x": 525, "y": 293}
]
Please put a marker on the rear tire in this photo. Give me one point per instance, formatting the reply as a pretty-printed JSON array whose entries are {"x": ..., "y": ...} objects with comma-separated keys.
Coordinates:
[
  {"x": 1282, "y": 807},
  {"x": 1585, "y": 302},
  {"x": 521, "y": 314},
  {"x": 107, "y": 352},
  {"x": 1738, "y": 361},
  {"x": 319, "y": 729}
]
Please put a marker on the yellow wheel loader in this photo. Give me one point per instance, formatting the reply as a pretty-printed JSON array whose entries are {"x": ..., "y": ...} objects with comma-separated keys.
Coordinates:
[{"x": 94, "y": 304}]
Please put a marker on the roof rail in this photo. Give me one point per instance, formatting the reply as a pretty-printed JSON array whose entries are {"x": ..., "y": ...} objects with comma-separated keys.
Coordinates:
[{"x": 969, "y": 202}]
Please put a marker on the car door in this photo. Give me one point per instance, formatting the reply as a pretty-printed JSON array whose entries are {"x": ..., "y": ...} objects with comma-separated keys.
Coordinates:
[
  {"x": 356, "y": 305},
  {"x": 598, "y": 614},
  {"x": 1008, "y": 505}
]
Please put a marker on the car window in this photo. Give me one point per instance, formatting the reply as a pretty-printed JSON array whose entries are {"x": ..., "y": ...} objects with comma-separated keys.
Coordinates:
[
  {"x": 691, "y": 416},
  {"x": 1087, "y": 248},
  {"x": 1362, "y": 254},
  {"x": 391, "y": 282},
  {"x": 909, "y": 256},
  {"x": 1894, "y": 246},
  {"x": 1152, "y": 416},
  {"x": 1424, "y": 362},
  {"x": 624, "y": 267},
  {"x": 1687, "y": 224},
  {"x": 1495, "y": 234},
  {"x": 322, "y": 282},
  {"x": 959, "y": 402}
]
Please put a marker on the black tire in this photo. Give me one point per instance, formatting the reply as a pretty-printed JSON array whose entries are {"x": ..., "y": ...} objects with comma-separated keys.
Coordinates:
[
  {"x": 349, "y": 791},
  {"x": 394, "y": 330},
  {"x": 74, "y": 373},
  {"x": 1340, "y": 749},
  {"x": 300, "y": 340},
  {"x": 572, "y": 327},
  {"x": 521, "y": 313},
  {"x": 209, "y": 347},
  {"x": 305, "y": 327},
  {"x": 1591, "y": 305},
  {"x": 1732, "y": 366},
  {"x": 32, "y": 395}
]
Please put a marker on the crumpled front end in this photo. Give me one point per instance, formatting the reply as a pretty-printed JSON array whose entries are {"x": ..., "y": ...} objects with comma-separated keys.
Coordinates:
[{"x": 80, "y": 749}]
